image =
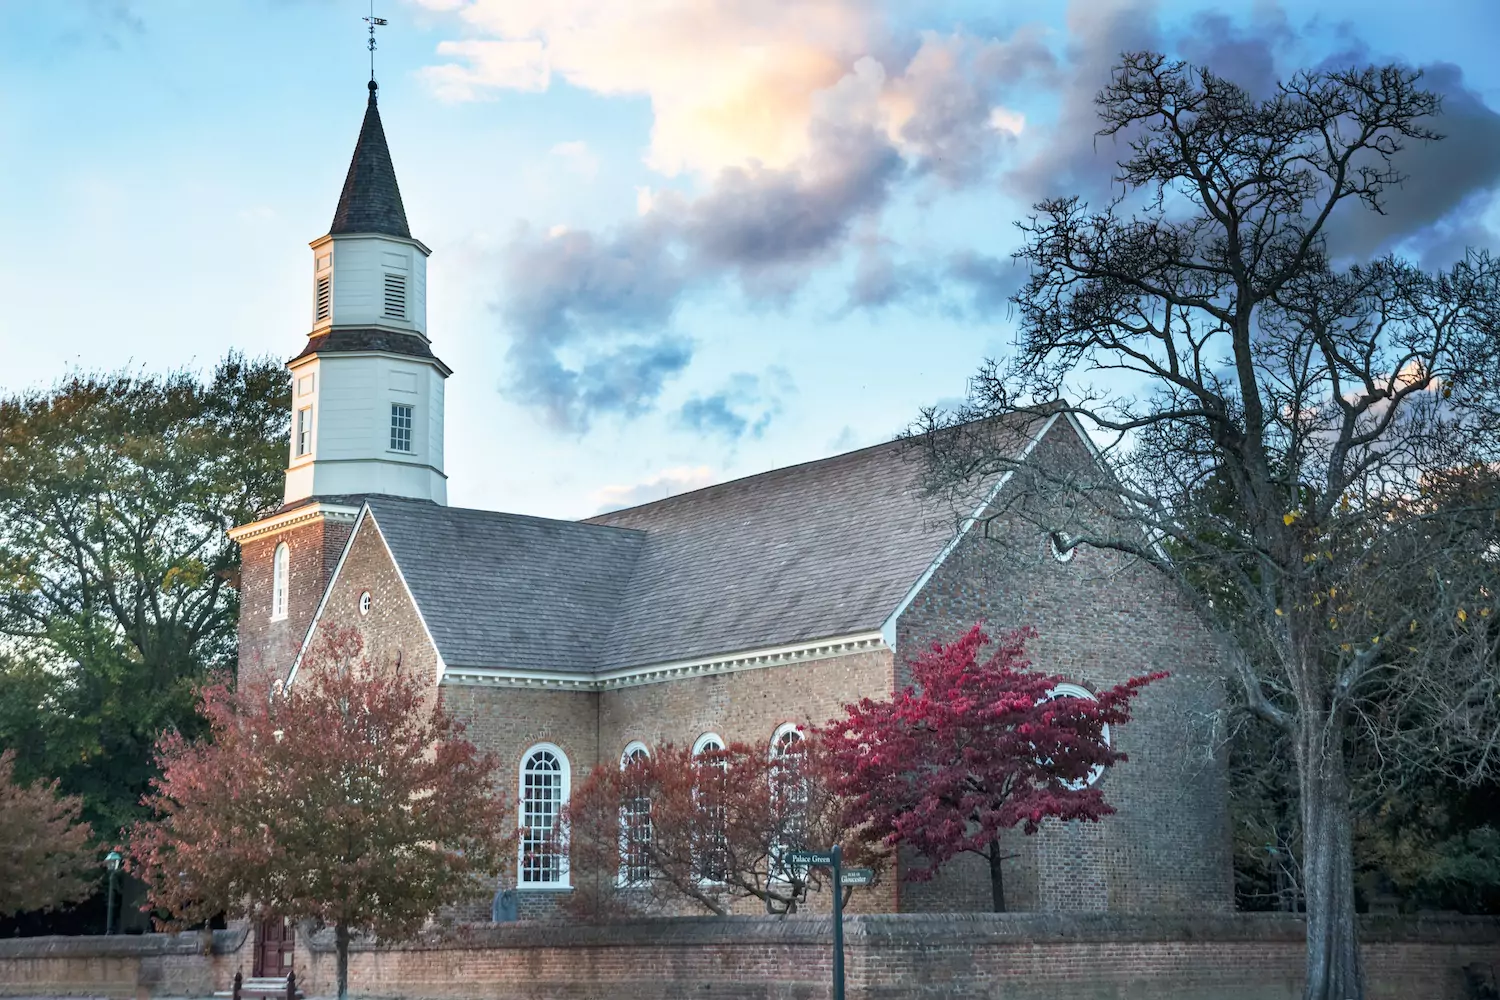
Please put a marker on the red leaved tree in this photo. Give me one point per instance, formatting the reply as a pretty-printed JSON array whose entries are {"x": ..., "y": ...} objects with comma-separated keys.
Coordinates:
[
  {"x": 46, "y": 858},
  {"x": 348, "y": 800},
  {"x": 707, "y": 828},
  {"x": 973, "y": 748}
]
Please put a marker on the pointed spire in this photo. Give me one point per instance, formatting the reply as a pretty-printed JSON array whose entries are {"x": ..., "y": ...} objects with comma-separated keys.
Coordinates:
[{"x": 371, "y": 201}]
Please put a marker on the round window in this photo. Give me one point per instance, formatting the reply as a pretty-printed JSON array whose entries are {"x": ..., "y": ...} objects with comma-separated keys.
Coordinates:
[
  {"x": 364, "y": 603},
  {"x": 1063, "y": 550}
]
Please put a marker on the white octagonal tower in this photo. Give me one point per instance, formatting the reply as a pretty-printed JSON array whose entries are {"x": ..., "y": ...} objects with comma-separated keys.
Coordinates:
[{"x": 367, "y": 391}]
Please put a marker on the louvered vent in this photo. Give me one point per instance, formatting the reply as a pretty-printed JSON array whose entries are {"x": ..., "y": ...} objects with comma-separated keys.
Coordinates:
[
  {"x": 323, "y": 298},
  {"x": 395, "y": 296}
]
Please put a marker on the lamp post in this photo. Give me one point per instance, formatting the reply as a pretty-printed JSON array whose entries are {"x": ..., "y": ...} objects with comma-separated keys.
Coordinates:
[{"x": 112, "y": 862}]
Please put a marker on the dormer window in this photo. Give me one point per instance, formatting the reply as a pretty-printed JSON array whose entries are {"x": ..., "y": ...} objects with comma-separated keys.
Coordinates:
[
  {"x": 401, "y": 427},
  {"x": 395, "y": 296},
  {"x": 323, "y": 299}
]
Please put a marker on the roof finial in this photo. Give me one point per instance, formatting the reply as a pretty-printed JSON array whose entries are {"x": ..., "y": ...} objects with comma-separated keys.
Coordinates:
[{"x": 374, "y": 22}]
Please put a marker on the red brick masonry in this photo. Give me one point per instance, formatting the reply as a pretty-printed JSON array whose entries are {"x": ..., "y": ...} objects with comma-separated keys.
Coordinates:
[{"x": 963, "y": 956}]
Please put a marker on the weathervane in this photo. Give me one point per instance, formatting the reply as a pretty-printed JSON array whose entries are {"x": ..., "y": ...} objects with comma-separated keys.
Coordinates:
[{"x": 374, "y": 22}]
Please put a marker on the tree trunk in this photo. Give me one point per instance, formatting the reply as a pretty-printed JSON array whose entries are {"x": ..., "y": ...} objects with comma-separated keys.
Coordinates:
[
  {"x": 1334, "y": 971},
  {"x": 997, "y": 878},
  {"x": 341, "y": 936}
]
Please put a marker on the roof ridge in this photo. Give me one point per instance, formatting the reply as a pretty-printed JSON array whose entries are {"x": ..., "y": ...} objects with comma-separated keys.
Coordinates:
[
  {"x": 795, "y": 466},
  {"x": 485, "y": 512}
]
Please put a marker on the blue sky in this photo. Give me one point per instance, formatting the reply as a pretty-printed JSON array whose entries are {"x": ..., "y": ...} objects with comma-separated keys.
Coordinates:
[{"x": 673, "y": 242}]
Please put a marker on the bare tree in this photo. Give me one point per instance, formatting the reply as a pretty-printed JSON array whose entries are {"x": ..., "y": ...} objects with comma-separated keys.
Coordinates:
[{"x": 1305, "y": 445}]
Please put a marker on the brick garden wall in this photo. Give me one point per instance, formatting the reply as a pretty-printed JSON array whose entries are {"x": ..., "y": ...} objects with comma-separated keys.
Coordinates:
[{"x": 955, "y": 957}]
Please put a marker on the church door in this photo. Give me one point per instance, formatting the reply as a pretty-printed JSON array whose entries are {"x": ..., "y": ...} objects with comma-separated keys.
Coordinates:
[{"x": 273, "y": 947}]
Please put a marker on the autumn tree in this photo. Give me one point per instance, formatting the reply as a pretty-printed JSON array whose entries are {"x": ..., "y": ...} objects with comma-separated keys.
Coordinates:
[
  {"x": 349, "y": 799},
  {"x": 46, "y": 852},
  {"x": 671, "y": 826},
  {"x": 116, "y": 577},
  {"x": 1274, "y": 422},
  {"x": 973, "y": 747}
]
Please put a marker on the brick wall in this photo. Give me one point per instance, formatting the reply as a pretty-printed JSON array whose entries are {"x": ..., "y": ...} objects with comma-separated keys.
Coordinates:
[
  {"x": 1101, "y": 618},
  {"x": 1014, "y": 956},
  {"x": 266, "y": 647}
]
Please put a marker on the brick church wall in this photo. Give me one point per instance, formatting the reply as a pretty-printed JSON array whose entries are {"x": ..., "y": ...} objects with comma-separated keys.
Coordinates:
[
  {"x": 267, "y": 648},
  {"x": 1101, "y": 618}
]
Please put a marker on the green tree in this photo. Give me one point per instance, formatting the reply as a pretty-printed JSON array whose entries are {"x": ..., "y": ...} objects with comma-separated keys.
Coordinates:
[{"x": 116, "y": 578}]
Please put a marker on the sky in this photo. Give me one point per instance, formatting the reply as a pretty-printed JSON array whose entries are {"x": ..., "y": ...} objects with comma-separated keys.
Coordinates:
[{"x": 674, "y": 241}]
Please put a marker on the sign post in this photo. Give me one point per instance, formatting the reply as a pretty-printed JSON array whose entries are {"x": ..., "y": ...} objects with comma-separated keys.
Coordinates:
[
  {"x": 838, "y": 923},
  {"x": 860, "y": 876}
]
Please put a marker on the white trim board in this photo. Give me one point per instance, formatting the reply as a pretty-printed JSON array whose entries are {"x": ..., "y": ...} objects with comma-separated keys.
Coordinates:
[
  {"x": 771, "y": 656},
  {"x": 276, "y": 522}
]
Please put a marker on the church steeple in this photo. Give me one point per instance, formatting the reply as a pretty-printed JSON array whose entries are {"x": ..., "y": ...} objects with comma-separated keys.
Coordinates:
[
  {"x": 371, "y": 199},
  {"x": 367, "y": 405}
]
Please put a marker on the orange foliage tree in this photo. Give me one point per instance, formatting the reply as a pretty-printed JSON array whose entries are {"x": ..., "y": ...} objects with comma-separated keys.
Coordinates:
[
  {"x": 347, "y": 800},
  {"x": 45, "y": 850}
]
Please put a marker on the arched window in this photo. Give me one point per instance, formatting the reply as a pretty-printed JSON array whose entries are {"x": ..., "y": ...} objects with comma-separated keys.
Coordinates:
[
  {"x": 1074, "y": 691},
  {"x": 280, "y": 571},
  {"x": 544, "y": 791},
  {"x": 711, "y": 849},
  {"x": 789, "y": 794},
  {"x": 635, "y": 818}
]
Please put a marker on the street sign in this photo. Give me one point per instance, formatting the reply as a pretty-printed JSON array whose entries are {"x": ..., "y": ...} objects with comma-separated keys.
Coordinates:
[
  {"x": 859, "y": 876},
  {"x": 810, "y": 857}
]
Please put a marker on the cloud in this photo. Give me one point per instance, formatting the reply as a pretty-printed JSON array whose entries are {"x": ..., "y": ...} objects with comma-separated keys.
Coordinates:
[
  {"x": 588, "y": 315},
  {"x": 1455, "y": 177},
  {"x": 730, "y": 81},
  {"x": 746, "y": 405},
  {"x": 577, "y": 158},
  {"x": 485, "y": 66},
  {"x": 1066, "y": 157},
  {"x": 990, "y": 281},
  {"x": 880, "y": 279},
  {"x": 668, "y": 482}
]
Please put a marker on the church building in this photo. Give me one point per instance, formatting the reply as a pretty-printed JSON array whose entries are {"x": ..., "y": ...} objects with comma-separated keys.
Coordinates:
[{"x": 739, "y": 612}]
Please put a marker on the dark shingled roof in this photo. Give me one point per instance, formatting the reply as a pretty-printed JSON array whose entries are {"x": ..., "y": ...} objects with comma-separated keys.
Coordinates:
[
  {"x": 366, "y": 339},
  {"x": 507, "y": 591},
  {"x": 808, "y": 552},
  {"x": 814, "y": 551},
  {"x": 371, "y": 201}
]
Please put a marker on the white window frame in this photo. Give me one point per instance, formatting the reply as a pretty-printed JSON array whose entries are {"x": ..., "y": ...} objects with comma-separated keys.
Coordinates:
[
  {"x": 700, "y": 746},
  {"x": 1070, "y": 690},
  {"x": 775, "y": 753},
  {"x": 281, "y": 575},
  {"x": 410, "y": 429},
  {"x": 302, "y": 434},
  {"x": 565, "y": 772},
  {"x": 622, "y": 878}
]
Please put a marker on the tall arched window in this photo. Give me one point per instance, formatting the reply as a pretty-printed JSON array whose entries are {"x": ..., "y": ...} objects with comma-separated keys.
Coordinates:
[
  {"x": 280, "y": 571},
  {"x": 635, "y": 818},
  {"x": 711, "y": 850},
  {"x": 789, "y": 794},
  {"x": 1074, "y": 691},
  {"x": 544, "y": 790}
]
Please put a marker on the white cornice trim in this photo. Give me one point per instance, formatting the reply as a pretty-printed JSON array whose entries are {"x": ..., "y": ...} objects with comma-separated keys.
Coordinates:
[
  {"x": 771, "y": 656},
  {"x": 888, "y": 629},
  {"x": 302, "y": 360},
  {"x": 278, "y": 522}
]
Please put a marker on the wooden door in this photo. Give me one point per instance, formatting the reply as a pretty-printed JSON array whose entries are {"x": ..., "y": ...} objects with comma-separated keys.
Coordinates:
[{"x": 273, "y": 949}]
